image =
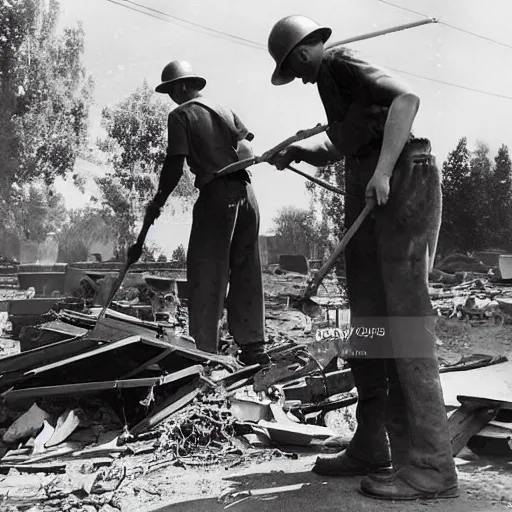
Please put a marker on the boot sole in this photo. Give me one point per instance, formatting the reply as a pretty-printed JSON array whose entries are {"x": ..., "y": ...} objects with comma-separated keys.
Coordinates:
[
  {"x": 444, "y": 495},
  {"x": 355, "y": 472}
]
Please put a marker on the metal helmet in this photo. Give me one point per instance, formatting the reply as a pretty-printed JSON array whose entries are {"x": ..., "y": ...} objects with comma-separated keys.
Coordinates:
[
  {"x": 178, "y": 71},
  {"x": 286, "y": 34}
]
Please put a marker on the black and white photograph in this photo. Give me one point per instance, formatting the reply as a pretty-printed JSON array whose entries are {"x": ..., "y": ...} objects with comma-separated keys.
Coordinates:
[{"x": 255, "y": 256}]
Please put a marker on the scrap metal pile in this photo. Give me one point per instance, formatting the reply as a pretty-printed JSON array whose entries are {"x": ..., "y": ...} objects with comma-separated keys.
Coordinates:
[{"x": 88, "y": 407}]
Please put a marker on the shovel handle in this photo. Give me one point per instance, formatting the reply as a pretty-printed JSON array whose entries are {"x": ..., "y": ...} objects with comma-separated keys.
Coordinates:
[
  {"x": 247, "y": 162},
  {"x": 318, "y": 181},
  {"x": 329, "y": 264}
]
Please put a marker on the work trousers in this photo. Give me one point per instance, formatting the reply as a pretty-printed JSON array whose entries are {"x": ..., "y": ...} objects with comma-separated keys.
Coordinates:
[
  {"x": 392, "y": 349},
  {"x": 223, "y": 250}
]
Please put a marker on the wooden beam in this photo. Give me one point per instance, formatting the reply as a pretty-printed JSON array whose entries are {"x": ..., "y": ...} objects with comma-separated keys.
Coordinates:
[
  {"x": 91, "y": 387},
  {"x": 469, "y": 419},
  {"x": 174, "y": 403},
  {"x": 47, "y": 354}
]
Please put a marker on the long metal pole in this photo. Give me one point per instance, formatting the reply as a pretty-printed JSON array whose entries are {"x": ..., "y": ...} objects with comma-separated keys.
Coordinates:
[{"x": 383, "y": 32}]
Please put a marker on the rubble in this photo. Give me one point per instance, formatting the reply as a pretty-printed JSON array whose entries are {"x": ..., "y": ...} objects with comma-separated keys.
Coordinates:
[{"x": 131, "y": 395}]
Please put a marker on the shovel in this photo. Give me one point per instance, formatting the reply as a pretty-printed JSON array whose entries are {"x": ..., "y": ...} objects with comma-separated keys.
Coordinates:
[
  {"x": 314, "y": 283},
  {"x": 122, "y": 274}
]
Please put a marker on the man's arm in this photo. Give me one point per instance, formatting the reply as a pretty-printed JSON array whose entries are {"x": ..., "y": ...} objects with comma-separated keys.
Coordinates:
[
  {"x": 401, "y": 114},
  {"x": 318, "y": 154},
  {"x": 397, "y": 129},
  {"x": 170, "y": 176}
]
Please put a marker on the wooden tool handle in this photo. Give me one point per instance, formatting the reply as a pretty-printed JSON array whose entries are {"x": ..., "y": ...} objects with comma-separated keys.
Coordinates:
[
  {"x": 329, "y": 264},
  {"x": 318, "y": 181},
  {"x": 301, "y": 135},
  {"x": 243, "y": 164}
]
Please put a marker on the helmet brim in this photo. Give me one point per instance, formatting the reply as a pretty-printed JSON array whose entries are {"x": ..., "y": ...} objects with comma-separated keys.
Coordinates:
[
  {"x": 281, "y": 77},
  {"x": 164, "y": 86}
]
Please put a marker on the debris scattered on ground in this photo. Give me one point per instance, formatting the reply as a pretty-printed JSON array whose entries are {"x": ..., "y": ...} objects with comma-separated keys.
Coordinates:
[{"x": 83, "y": 416}]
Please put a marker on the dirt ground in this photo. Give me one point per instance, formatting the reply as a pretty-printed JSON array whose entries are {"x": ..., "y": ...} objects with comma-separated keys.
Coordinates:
[{"x": 486, "y": 483}]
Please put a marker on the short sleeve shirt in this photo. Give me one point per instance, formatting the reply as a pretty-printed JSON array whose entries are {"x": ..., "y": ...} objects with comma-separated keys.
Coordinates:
[
  {"x": 205, "y": 138},
  {"x": 351, "y": 95}
]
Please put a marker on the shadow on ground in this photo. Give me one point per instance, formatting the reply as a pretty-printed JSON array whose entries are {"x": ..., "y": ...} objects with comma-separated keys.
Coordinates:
[{"x": 317, "y": 494}]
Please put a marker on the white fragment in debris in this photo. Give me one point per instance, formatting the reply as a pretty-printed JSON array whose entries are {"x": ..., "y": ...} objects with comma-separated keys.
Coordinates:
[
  {"x": 67, "y": 423},
  {"x": 150, "y": 398},
  {"x": 43, "y": 437}
]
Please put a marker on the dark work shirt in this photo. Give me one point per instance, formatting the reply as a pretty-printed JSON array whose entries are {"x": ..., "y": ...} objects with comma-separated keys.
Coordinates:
[
  {"x": 206, "y": 140},
  {"x": 352, "y": 97}
]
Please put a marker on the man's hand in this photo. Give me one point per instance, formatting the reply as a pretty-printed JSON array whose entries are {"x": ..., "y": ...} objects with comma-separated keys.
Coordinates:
[
  {"x": 378, "y": 188},
  {"x": 135, "y": 252},
  {"x": 152, "y": 212},
  {"x": 285, "y": 157}
]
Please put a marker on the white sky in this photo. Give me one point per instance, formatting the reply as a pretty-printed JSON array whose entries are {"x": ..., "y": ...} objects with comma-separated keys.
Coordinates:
[{"x": 124, "y": 47}]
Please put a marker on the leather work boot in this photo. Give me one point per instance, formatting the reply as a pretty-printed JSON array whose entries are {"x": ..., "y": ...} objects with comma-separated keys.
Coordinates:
[
  {"x": 342, "y": 464},
  {"x": 397, "y": 488},
  {"x": 368, "y": 450},
  {"x": 254, "y": 354}
]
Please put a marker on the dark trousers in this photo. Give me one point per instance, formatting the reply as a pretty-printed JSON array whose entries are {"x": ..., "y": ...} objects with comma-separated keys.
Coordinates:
[
  {"x": 223, "y": 249},
  {"x": 396, "y": 374}
]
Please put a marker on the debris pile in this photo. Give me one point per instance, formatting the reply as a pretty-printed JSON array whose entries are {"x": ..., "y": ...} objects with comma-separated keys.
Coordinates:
[
  {"x": 476, "y": 300},
  {"x": 88, "y": 407}
]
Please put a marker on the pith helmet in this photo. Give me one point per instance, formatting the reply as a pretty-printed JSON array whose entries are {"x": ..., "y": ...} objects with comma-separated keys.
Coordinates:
[
  {"x": 286, "y": 34},
  {"x": 178, "y": 71}
]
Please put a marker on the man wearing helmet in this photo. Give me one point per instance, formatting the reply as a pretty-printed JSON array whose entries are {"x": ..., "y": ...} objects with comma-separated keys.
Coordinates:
[
  {"x": 223, "y": 247},
  {"x": 400, "y": 413}
]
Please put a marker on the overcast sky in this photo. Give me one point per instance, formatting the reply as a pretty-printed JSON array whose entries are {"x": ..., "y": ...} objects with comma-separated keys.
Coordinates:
[{"x": 124, "y": 47}]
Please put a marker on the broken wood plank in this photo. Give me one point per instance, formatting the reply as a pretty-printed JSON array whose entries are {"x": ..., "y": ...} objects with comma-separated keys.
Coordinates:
[
  {"x": 194, "y": 354},
  {"x": 294, "y": 433},
  {"x": 147, "y": 364},
  {"x": 497, "y": 430},
  {"x": 46, "y": 355},
  {"x": 239, "y": 375},
  {"x": 62, "y": 451},
  {"x": 91, "y": 387},
  {"x": 278, "y": 373},
  {"x": 326, "y": 406},
  {"x": 239, "y": 384},
  {"x": 469, "y": 419},
  {"x": 112, "y": 359},
  {"x": 481, "y": 401},
  {"x": 33, "y": 468},
  {"x": 174, "y": 403},
  {"x": 317, "y": 387}
]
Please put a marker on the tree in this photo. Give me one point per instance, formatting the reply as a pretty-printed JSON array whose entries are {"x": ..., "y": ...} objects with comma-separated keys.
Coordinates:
[
  {"x": 135, "y": 148},
  {"x": 501, "y": 204},
  {"x": 179, "y": 256},
  {"x": 331, "y": 209},
  {"x": 39, "y": 211},
  {"x": 479, "y": 191},
  {"x": 456, "y": 230},
  {"x": 81, "y": 229},
  {"x": 46, "y": 94},
  {"x": 45, "y": 97},
  {"x": 296, "y": 231}
]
